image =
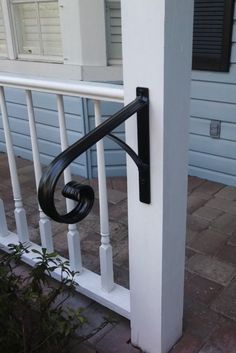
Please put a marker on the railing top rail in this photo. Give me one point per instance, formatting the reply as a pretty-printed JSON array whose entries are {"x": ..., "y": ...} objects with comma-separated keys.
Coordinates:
[{"x": 92, "y": 90}]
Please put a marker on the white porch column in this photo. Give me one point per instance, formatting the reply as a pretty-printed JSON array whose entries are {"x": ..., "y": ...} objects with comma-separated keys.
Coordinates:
[
  {"x": 85, "y": 21},
  {"x": 157, "y": 43}
]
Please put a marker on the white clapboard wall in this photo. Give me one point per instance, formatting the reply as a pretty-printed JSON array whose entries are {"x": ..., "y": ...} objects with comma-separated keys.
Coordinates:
[{"x": 114, "y": 38}]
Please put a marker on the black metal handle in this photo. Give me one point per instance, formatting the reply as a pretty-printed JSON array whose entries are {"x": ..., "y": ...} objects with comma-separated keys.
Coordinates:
[{"x": 83, "y": 194}]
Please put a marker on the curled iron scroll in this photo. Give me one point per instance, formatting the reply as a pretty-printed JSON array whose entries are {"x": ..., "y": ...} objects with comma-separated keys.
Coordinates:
[{"x": 82, "y": 194}]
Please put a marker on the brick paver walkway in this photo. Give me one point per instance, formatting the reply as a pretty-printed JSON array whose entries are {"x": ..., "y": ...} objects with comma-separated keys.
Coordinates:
[{"x": 210, "y": 286}]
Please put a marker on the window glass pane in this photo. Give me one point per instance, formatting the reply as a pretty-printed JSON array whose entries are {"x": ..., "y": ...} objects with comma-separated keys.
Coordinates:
[
  {"x": 38, "y": 28},
  {"x": 27, "y": 30},
  {"x": 3, "y": 44},
  {"x": 50, "y": 28}
]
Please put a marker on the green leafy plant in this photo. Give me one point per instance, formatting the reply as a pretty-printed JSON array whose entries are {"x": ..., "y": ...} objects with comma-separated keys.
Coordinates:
[{"x": 33, "y": 315}]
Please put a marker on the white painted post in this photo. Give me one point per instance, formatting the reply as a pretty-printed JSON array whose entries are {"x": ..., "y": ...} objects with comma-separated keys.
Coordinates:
[
  {"x": 45, "y": 227},
  {"x": 86, "y": 18},
  {"x": 73, "y": 236},
  {"x": 20, "y": 215},
  {"x": 105, "y": 250},
  {"x": 157, "y": 44},
  {"x": 3, "y": 222}
]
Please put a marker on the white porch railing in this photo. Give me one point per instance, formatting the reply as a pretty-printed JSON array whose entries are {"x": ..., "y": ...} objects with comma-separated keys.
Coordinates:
[
  {"x": 100, "y": 288},
  {"x": 157, "y": 46}
]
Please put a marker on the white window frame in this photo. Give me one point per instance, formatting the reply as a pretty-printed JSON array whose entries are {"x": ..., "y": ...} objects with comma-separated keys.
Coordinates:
[
  {"x": 11, "y": 33},
  {"x": 86, "y": 59},
  {"x": 9, "y": 29},
  {"x": 4, "y": 55}
]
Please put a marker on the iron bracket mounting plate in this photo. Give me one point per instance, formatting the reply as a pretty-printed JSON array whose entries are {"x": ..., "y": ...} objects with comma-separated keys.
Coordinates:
[{"x": 144, "y": 147}]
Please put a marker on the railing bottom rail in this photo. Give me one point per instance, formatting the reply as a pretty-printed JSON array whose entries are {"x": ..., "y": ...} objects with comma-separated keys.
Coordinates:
[{"x": 88, "y": 282}]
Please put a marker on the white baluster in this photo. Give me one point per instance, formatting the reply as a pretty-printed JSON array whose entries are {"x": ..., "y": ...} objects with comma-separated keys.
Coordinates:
[
  {"x": 3, "y": 222},
  {"x": 73, "y": 234},
  {"x": 105, "y": 250},
  {"x": 20, "y": 216},
  {"x": 45, "y": 227}
]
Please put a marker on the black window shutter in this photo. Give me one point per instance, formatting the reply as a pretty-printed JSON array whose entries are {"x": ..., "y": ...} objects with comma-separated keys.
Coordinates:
[{"x": 212, "y": 32}]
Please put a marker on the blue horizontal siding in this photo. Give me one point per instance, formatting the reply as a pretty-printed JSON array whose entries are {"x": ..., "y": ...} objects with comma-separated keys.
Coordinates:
[
  {"x": 46, "y": 147},
  {"x": 45, "y": 116},
  {"x": 109, "y": 145},
  {"x": 112, "y": 158},
  {"x": 214, "y": 91},
  {"x": 213, "y": 110},
  {"x": 214, "y": 147},
  {"x": 202, "y": 127},
  {"x": 111, "y": 171},
  {"x": 213, "y": 175},
  {"x": 213, "y": 162},
  {"x": 44, "y": 100},
  {"x": 119, "y": 129},
  {"x": 44, "y": 159},
  {"x": 107, "y": 108},
  {"x": 213, "y": 97},
  {"x": 79, "y": 121},
  {"x": 115, "y": 159},
  {"x": 47, "y": 126}
]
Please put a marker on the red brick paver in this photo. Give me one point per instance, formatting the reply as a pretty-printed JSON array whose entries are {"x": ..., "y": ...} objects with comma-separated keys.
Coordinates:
[
  {"x": 222, "y": 341},
  {"x": 225, "y": 303},
  {"x": 187, "y": 344},
  {"x": 210, "y": 284},
  {"x": 201, "y": 290},
  {"x": 209, "y": 241},
  {"x": 211, "y": 268}
]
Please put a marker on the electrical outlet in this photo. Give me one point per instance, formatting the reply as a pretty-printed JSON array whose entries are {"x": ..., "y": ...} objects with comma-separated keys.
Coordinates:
[{"x": 215, "y": 128}]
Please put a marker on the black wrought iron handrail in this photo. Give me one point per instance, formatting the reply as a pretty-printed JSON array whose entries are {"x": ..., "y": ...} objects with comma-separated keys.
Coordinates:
[{"x": 84, "y": 194}]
